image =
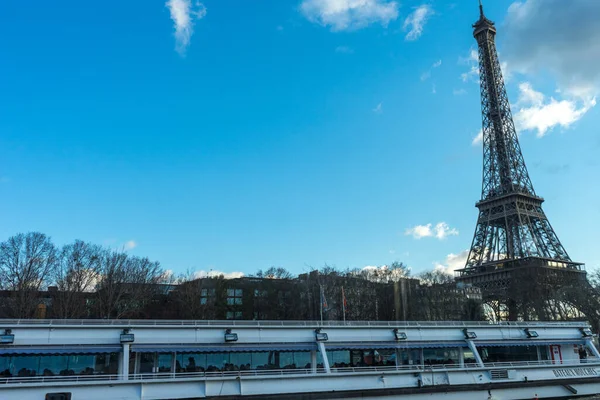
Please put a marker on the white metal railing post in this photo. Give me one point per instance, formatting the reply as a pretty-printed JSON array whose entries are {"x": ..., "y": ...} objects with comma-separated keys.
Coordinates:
[
  {"x": 313, "y": 361},
  {"x": 324, "y": 356},
  {"x": 461, "y": 357},
  {"x": 174, "y": 364},
  {"x": 475, "y": 352},
  {"x": 124, "y": 370}
]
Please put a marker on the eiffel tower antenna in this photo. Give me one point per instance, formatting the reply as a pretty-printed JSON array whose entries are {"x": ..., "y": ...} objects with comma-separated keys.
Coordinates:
[{"x": 513, "y": 233}]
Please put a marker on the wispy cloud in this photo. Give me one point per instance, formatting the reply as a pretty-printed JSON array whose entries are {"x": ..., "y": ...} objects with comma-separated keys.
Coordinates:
[
  {"x": 378, "y": 109},
  {"x": 459, "y": 92},
  {"x": 344, "y": 50},
  {"x": 478, "y": 138},
  {"x": 416, "y": 20},
  {"x": 440, "y": 231},
  {"x": 427, "y": 74},
  {"x": 453, "y": 262},
  {"x": 184, "y": 14},
  {"x": 343, "y": 15},
  {"x": 130, "y": 245}
]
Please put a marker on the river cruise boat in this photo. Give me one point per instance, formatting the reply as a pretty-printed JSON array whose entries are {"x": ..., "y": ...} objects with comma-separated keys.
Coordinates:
[{"x": 158, "y": 360}]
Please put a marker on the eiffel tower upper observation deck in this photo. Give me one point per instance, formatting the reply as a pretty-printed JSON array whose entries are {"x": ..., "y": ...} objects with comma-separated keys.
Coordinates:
[{"x": 512, "y": 230}]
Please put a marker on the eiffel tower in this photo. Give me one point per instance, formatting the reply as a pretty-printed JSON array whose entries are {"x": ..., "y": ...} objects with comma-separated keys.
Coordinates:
[{"x": 516, "y": 257}]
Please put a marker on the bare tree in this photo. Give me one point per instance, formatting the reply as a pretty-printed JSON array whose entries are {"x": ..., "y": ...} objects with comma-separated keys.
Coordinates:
[
  {"x": 26, "y": 261},
  {"x": 76, "y": 275},
  {"x": 274, "y": 273},
  {"x": 126, "y": 284}
]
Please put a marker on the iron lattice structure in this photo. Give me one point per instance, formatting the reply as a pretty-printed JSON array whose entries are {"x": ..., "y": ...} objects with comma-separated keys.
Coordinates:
[{"x": 513, "y": 239}]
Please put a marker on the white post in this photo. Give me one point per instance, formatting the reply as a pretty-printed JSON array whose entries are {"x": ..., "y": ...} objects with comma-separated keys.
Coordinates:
[
  {"x": 324, "y": 356},
  {"x": 313, "y": 361},
  {"x": 475, "y": 352},
  {"x": 174, "y": 364},
  {"x": 422, "y": 356},
  {"x": 136, "y": 364},
  {"x": 124, "y": 370},
  {"x": 461, "y": 357},
  {"x": 398, "y": 360},
  {"x": 590, "y": 345}
]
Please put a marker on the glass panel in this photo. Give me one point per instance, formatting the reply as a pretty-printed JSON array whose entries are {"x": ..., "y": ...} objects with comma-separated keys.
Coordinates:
[
  {"x": 238, "y": 301},
  {"x": 238, "y": 292},
  {"x": 230, "y": 301},
  {"x": 509, "y": 353},
  {"x": 302, "y": 359},
  {"x": 203, "y": 300},
  {"x": 146, "y": 363},
  {"x": 286, "y": 360},
  {"x": 241, "y": 361},
  {"x": 24, "y": 365},
  {"x": 5, "y": 366},
  {"x": 469, "y": 356},
  {"x": 82, "y": 364},
  {"x": 230, "y": 292},
  {"x": 260, "y": 360},
  {"x": 54, "y": 365},
  {"x": 216, "y": 361},
  {"x": 164, "y": 362},
  {"x": 440, "y": 356}
]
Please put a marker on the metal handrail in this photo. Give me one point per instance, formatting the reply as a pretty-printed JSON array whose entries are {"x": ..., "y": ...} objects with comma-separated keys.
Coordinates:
[
  {"x": 286, "y": 372},
  {"x": 240, "y": 323}
]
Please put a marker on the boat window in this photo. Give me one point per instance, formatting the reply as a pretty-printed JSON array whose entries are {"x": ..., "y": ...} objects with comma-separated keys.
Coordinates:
[
  {"x": 440, "y": 356},
  {"x": 58, "y": 365},
  {"x": 165, "y": 362},
  {"x": 469, "y": 357},
  {"x": 509, "y": 353}
]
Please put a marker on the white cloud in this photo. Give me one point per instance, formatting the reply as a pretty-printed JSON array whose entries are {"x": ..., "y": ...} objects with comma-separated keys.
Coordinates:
[
  {"x": 416, "y": 20},
  {"x": 440, "y": 231},
  {"x": 419, "y": 231},
  {"x": 215, "y": 274},
  {"x": 184, "y": 13},
  {"x": 378, "y": 109},
  {"x": 536, "y": 113},
  {"x": 343, "y": 15},
  {"x": 556, "y": 36},
  {"x": 472, "y": 60},
  {"x": 427, "y": 74},
  {"x": 344, "y": 50},
  {"x": 453, "y": 262},
  {"x": 459, "y": 92},
  {"x": 130, "y": 245},
  {"x": 478, "y": 139}
]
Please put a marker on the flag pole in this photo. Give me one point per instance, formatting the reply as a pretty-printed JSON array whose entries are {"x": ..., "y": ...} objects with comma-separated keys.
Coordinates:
[{"x": 344, "y": 303}]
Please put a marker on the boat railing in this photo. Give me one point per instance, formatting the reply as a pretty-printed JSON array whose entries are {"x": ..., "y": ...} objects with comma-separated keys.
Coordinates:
[
  {"x": 244, "y": 323},
  {"x": 287, "y": 372},
  {"x": 575, "y": 362}
]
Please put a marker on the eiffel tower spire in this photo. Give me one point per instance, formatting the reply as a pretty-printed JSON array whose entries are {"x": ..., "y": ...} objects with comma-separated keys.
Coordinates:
[{"x": 512, "y": 229}]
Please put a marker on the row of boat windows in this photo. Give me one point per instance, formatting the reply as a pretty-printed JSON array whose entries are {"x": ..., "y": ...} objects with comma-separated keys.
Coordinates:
[
  {"x": 58, "y": 365},
  {"x": 107, "y": 363}
]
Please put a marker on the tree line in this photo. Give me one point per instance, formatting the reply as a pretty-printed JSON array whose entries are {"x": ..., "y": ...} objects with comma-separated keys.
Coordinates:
[
  {"x": 31, "y": 263},
  {"x": 84, "y": 280}
]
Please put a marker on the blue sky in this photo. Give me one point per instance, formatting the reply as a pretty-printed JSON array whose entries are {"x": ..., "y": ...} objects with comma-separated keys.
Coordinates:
[{"x": 239, "y": 135}]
